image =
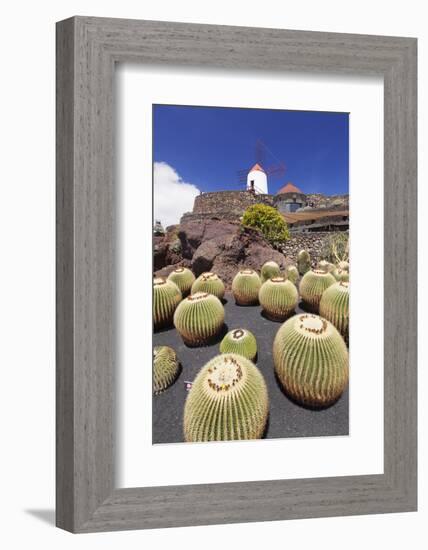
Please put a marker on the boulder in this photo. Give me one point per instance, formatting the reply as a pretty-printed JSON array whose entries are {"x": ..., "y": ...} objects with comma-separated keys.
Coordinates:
[{"x": 193, "y": 233}]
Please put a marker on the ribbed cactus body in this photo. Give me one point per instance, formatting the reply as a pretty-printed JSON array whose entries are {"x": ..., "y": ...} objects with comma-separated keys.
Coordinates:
[
  {"x": 341, "y": 274},
  {"x": 199, "y": 318},
  {"x": 165, "y": 368},
  {"x": 166, "y": 297},
  {"x": 245, "y": 287},
  {"x": 228, "y": 401},
  {"x": 183, "y": 278},
  {"x": 292, "y": 274},
  {"x": 323, "y": 265},
  {"x": 303, "y": 261},
  {"x": 209, "y": 282},
  {"x": 334, "y": 307},
  {"x": 312, "y": 286},
  {"x": 278, "y": 297},
  {"x": 269, "y": 270},
  {"x": 240, "y": 341},
  {"x": 311, "y": 360}
]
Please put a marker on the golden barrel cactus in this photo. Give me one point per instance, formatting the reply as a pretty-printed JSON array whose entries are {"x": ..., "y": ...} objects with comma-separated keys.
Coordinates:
[
  {"x": 199, "y": 318},
  {"x": 278, "y": 297},
  {"x": 269, "y": 269},
  {"x": 228, "y": 401},
  {"x": 334, "y": 307},
  {"x": 240, "y": 341},
  {"x": 311, "y": 287},
  {"x": 166, "y": 297},
  {"x": 340, "y": 274},
  {"x": 323, "y": 265},
  {"x": 209, "y": 282},
  {"x": 292, "y": 274},
  {"x": 165, "y": 368},
  {"x": 183, "y": 278},
  {"x": 311, "y": 360},
  {"x": 245, "y": 287},
  {"x": 343, "y": 265}
]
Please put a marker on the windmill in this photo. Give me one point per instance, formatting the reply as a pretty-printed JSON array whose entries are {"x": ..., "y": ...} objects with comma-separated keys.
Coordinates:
[{"x": 277, "y": 169}]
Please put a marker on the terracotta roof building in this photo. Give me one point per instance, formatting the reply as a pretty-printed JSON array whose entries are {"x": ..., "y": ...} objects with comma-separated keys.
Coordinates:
[{"x": 290, "y": 198}]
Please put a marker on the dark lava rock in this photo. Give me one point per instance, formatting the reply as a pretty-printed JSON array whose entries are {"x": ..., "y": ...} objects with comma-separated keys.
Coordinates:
[{"x": 214, "y": 245}]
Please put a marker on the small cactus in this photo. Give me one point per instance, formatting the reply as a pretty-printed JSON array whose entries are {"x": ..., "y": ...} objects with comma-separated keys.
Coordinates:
[
  {"x": 165, "y": 368},
  {"x": 209, "y": 282},
  {"x": 303, "y": 261},
  {"x": 245, "y": 287},
  {"x": 340, "y": 274},
  {"x": 166, "y": 297},
  {"x": 312, "y": 286},
  {"x": 240, "y": 341},
  {"x": 228, "y": 401},
  {"x": 343, "y": 265},
  {"x": 199, "y": 318},
  {"x": 323, "y": 265},
  {"x": 311, "y": 360},
  {"x": 278, "y": 297},
  {"x": 183, "y": 278},
  {"x": 334, "y": 307},
  {"x": 269, "y": 270},
  {"x": 292, "y": 274}
]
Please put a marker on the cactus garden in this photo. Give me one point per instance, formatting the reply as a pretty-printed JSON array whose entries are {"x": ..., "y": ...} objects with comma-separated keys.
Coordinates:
[{"x": 278, "y": 367}]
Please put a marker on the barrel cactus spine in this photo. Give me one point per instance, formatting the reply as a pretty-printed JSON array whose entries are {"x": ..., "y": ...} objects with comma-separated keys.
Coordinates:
[
  {"x": 292, "y": 274},
  {"x": 341, "y": 274},
  {"x": 312, "y": 286},
  {"x": 183, "y": 278},
  {"x": 166, "y": 297},
  {"x": 241, "y": 342},
  {"x": 228, "y": 401},
  {"x": 166, "y": 368},
  {"x": 334, "y": 307},
  {"x": 245, "y": 287},
  {"x": 209, "y": 282},
  {"x": 303, "y": 261},
  {"x": 278, "y": 297},
  {"x": 199, "y": 318},
  {"x": 269, "y": 269},
  {"x": 311, "y": 360}
]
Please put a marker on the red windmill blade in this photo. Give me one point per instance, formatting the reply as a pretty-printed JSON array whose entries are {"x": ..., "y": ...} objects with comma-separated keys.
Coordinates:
[{"x": 274, "y": 170}]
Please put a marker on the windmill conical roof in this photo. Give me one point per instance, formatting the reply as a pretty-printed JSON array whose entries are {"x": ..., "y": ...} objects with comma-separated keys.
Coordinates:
[{"x": 257, "y": 167}]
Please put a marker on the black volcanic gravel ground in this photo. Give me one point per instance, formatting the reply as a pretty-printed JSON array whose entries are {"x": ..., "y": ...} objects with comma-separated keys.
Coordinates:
[{"x": 286, "y": 418}]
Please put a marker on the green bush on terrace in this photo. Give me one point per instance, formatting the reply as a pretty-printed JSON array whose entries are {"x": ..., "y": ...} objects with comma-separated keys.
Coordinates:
[{"x": 268, "y": 221}]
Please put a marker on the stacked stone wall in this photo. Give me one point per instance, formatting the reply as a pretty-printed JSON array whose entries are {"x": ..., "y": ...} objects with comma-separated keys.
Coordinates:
[
  {"x": 232, "y": 201},
  {"x": 312, "y": 242}
]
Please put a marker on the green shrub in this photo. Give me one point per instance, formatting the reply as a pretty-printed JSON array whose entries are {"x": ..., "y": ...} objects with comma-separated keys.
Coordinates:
[{"x": 268, "y": 221}]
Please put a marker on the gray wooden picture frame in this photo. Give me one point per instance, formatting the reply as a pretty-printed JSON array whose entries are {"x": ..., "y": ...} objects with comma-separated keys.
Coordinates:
[{"x": 87, "y": 50}]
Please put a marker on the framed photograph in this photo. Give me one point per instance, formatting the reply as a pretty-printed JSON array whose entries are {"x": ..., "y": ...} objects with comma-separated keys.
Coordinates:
[{"x": 218, "y": 189}]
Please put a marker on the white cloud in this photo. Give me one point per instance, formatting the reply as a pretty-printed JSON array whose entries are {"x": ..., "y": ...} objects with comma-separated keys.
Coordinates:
[{"x": 172, "y": 195}]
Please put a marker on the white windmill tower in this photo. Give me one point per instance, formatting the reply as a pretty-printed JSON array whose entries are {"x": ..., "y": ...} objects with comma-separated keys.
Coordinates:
[{"x": 257, "y": 180}]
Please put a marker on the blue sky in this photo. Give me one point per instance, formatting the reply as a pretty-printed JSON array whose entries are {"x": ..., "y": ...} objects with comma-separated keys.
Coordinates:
[{"x": 206, "y": 146}]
